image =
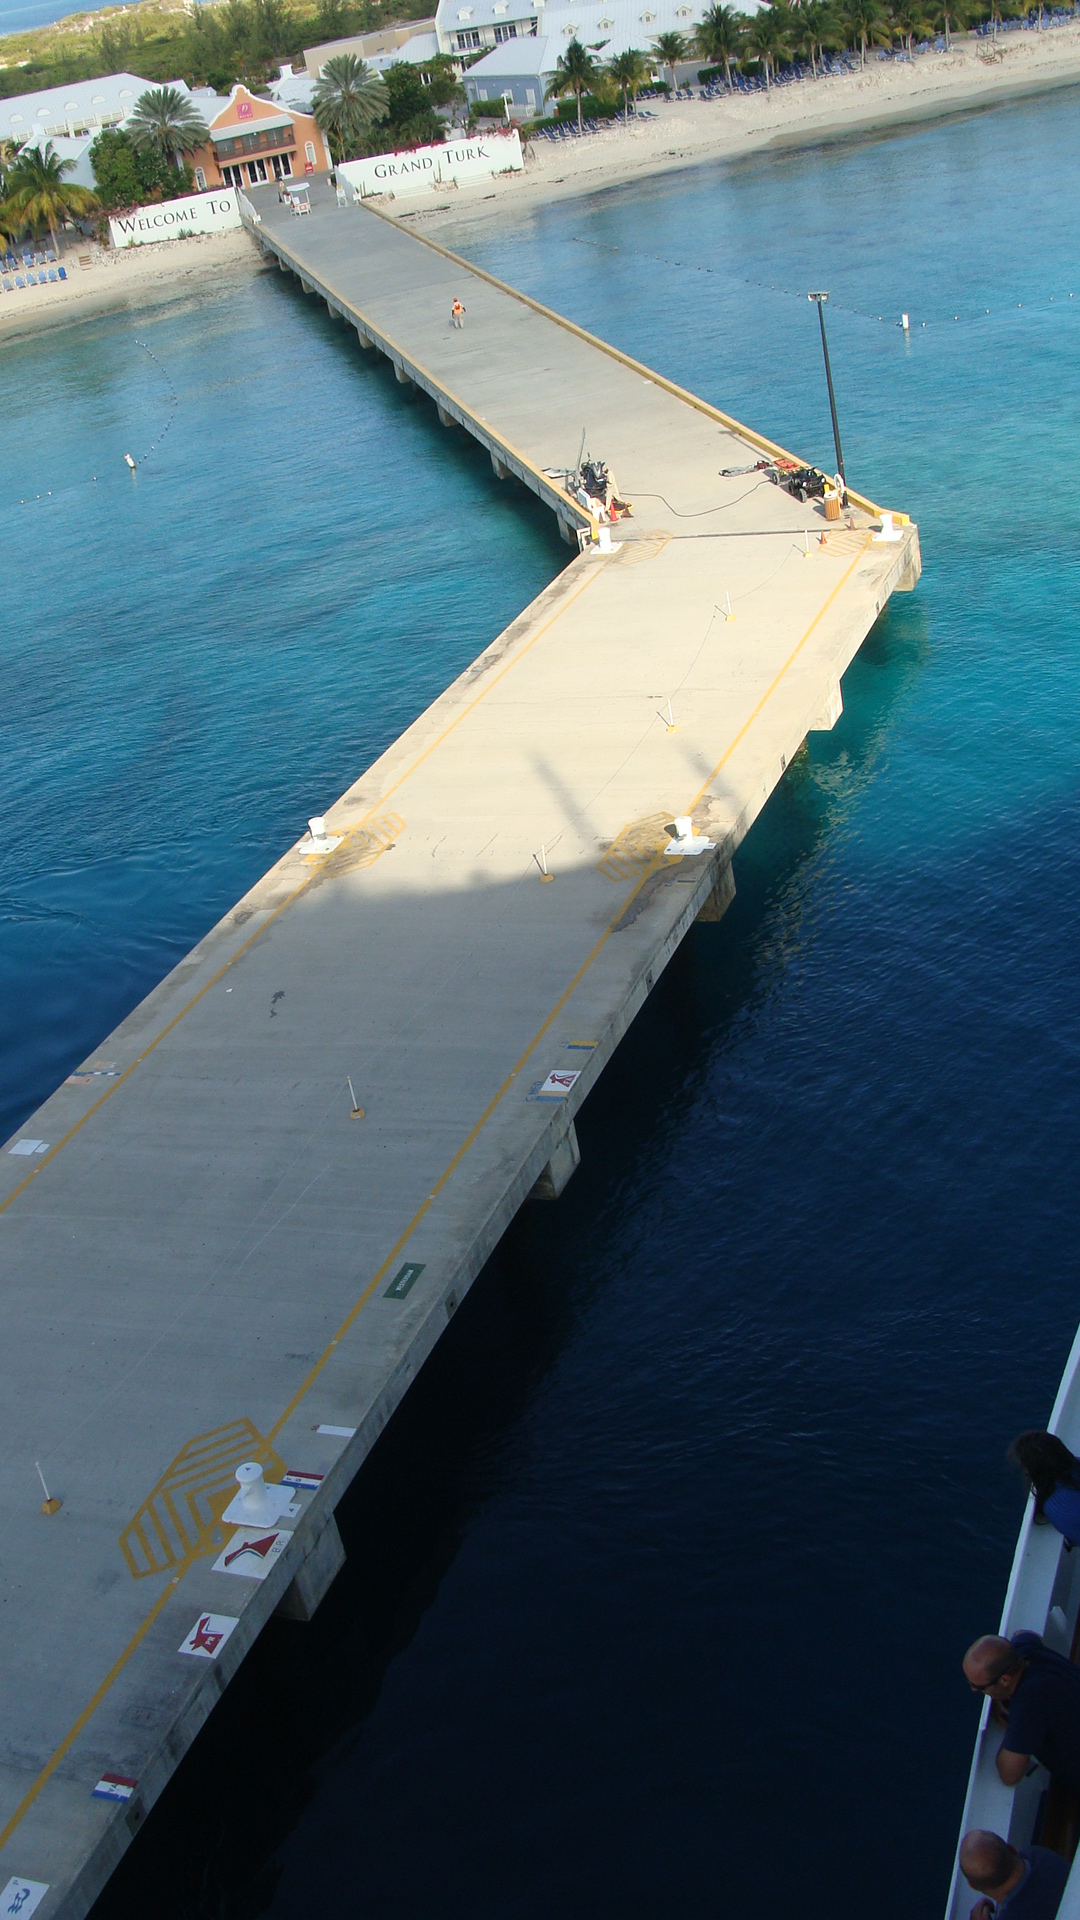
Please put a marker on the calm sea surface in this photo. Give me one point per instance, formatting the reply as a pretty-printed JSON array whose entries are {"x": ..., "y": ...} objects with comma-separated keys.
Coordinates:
[{"x": 657, "y": 1587}]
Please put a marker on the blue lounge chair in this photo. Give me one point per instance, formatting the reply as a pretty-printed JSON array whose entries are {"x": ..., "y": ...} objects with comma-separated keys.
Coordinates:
[
  {"x": 19, "y": 281},
  {"x": 52, "y": 273},
  {"x": 62, "y": 272}
]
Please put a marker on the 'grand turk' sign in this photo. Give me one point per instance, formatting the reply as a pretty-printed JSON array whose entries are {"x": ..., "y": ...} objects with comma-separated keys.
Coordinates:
[{"x": 424, "y": 167}]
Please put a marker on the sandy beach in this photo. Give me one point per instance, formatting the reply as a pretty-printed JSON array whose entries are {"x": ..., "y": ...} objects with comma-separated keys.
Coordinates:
[
  {"x": 975, "y": 75},
  {"x": 106, "y": 279},
  {"x": 888, "y": 93}
]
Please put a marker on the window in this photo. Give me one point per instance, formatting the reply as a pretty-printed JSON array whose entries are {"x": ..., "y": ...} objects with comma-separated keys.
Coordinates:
[
  {"x": 256, "y": 171},
  {"x": 467, "y": 41},
  {"x": 481, "y": 93},
  {"x": 282, "y": 165},
  {"x": 506, "y": 32},
  {"x": 233, "y": 176},
  {"x": 500, "y": 6},
  {"x": 530, "y": 98},
  {"x": 309, "y": 152},
  {"x": 571, "y": 32},
  {"x": 200, "y": 179},
  {"x": 465, "y": 13}
]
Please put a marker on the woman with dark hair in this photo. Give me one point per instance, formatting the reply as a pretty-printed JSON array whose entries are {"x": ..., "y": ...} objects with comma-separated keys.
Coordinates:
[{"x": 1053, "y": 1477}]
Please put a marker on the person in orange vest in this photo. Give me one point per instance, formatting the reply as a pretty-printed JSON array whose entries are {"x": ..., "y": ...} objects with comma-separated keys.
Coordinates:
[{"x": 457, "y": 314}]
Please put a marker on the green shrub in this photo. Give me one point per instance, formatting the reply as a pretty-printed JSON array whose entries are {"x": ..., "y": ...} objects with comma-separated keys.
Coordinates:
[{"x": 125, "y": 174}]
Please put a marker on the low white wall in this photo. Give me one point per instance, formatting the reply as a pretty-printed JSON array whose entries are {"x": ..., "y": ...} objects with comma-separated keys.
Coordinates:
[
  {"x": 425, "y": 167},
  {"x": 198, "y": 213}
]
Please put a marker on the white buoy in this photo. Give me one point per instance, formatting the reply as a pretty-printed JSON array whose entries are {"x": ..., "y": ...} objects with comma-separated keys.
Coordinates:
[
  {"x": 130, "y": 461},
  {"x": 905, "y": 323}
]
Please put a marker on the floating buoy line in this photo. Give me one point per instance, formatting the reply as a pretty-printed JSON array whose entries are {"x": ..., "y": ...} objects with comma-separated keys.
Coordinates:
[
  {"x": 879, "y": 319},
  {"x": 129, "y": 459}
]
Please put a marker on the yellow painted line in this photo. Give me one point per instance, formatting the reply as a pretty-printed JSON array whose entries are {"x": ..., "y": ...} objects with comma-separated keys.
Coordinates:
[
  {"x": 90, "y": 1708},
  {"x": 613, "y": 353},
  {"x": 386, "y": 340},
  {"x": 118, "y": 1665},
  {"x": 771, "y": 688},
  {"x": 358, "y": 827}
]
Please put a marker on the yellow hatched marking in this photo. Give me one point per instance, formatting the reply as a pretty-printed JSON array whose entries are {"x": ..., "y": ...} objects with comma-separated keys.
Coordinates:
[
  {"x": 122, "y": 1659},
  {"x": 184, "y": 1510},
  {"x": 636, "y": 847}
]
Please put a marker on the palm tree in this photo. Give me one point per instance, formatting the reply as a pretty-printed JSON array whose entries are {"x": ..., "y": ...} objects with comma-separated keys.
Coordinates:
[
  {"x": 953, "y": 13},
  {"x": 670, "y": 47},
  {"x": 349, "y": 99},
  {"x": 165, "y": 121},
  {"x": 719, "y": 37},
  {"x": 866, "y": 22},
  {"x": 575, "y": 72},
  {"x": 38, "y": 194},
  {"x": 766, "y": 39},
  {"x": 812, "y": 21},
  {"x": 629, "y": 71},
  {"x": 909, "y": 19}
]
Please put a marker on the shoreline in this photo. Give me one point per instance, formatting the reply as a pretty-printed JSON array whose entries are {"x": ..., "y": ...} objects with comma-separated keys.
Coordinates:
[
  {"x": 117, "y": 280},
  {"x": 884, "y": 100}
]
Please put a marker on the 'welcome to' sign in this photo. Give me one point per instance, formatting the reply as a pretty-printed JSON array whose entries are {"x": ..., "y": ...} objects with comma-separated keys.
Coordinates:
[
  {"x": 199, "y": 213},
  {"x": 399, "y": 173}
]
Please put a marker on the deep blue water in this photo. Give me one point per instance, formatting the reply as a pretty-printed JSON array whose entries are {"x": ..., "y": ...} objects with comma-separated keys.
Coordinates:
[{"x": 658, "y": 1585}]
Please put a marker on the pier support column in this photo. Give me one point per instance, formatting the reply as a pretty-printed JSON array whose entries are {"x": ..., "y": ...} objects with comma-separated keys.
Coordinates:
[
  {"x": 829, "y": 712},
  {"x": 501, "y": 472},
  {"x": 368, "y": 345},
  {"x": 563, "y": 1163},
  {"x": 306, "y": 284},
  {"x": 721, "y": 897},
  {"x": 445, "y": 419},
  {"x": 403, "y": 379},
  {"x": 319, "y": 1571},
  {"x": 568, "y": 532}
]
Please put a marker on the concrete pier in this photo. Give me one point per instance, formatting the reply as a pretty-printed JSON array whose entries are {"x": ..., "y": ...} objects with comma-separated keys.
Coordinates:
[{"x": 209, "y": 1257}]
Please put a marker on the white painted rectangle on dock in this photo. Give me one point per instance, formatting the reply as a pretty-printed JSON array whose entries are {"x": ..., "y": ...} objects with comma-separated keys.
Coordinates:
[
  {"x": 251, "y": 1553},
  {"x": 22, "y": 1897},
  {"x": 208, "y": 1635}
]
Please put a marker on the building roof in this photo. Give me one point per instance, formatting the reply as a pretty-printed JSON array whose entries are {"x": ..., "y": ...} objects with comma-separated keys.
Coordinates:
[
  {"x": 82, "y": 104},
  {"x": 618, "y": 24},
  {"x": 515, "y": 59},
  {"x": 457, "y": 16},
  {"x": 422, "y": 46},
  {"x": 258, "y": 123},
  {"x": 371, "y": 46},
  {"x": 293, "y": 90}
]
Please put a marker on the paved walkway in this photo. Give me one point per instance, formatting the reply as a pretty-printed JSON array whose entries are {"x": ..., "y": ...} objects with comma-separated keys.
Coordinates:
[{"x": 207, "y": 1257}]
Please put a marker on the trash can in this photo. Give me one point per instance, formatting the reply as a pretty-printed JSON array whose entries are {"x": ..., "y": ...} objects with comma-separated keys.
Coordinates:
[{"x": 832, "y": 506}]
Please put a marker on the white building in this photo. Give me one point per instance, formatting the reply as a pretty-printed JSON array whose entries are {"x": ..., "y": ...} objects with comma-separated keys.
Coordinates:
[
  {"x": 71, "y": 117},
  {"x": 414, "y": 42},
  {"x": 524, "y": 39}
]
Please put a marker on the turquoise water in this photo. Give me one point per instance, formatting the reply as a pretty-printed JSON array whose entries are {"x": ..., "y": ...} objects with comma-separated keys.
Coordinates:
[{"x": 657, "y": 1587}]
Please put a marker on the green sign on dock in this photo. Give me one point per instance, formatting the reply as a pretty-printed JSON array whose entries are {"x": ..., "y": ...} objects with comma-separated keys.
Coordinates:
[{"x": 402, "y": 1281}]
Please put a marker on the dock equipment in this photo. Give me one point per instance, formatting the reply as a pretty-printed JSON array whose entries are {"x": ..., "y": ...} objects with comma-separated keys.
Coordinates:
[{"x": 236, "y": 1234}]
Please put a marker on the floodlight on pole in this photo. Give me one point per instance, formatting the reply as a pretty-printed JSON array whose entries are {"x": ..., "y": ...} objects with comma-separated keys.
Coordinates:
[{"x": 820, "y": 299}]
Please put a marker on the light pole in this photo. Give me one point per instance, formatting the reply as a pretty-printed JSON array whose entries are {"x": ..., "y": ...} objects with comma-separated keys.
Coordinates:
[{"x": 821, "y": 298}]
